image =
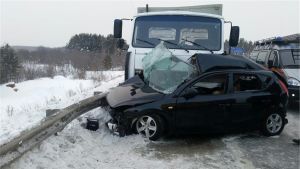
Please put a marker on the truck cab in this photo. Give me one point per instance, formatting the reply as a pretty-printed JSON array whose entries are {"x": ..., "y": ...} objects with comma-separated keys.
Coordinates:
[{"x": 185, "y": 31}]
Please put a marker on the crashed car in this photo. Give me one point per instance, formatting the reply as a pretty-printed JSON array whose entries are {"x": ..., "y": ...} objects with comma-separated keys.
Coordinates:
[{"x": 210, "y": 93}]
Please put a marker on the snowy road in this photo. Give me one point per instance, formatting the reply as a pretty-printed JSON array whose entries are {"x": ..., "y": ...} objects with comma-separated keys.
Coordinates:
[{"x": 76, "y": 147}]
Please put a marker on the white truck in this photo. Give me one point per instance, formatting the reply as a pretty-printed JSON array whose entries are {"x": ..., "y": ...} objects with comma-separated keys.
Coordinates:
[{"x": 184, "y": 30}]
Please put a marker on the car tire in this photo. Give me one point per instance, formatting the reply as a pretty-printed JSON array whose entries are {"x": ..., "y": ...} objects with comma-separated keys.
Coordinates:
[
  {"x": 273, "y": 124},
  {"x": 150, "y": 126}
]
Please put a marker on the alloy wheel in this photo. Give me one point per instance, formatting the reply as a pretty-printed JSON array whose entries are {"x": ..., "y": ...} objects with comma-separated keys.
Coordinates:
[
  {"x": 274, "y": 123},
  {"x": 146, "y": 126}
]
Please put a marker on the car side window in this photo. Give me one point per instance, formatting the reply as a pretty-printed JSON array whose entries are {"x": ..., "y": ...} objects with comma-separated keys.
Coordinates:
[
  {"x": 262, "y": 57},
  {"x": 211, "y": 85},
  {"x": 246, "y": 82}
]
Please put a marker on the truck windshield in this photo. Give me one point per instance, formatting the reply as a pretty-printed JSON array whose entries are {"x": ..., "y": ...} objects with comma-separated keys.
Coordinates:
[
  {"x": 290, "y": 58},
  {"x": 178, "y": 29},
  {"x": 163, "y": 71}
]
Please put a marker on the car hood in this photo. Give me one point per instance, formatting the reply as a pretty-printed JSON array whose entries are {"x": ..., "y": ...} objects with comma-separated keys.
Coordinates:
[
  {"x": 294, "y": 73},
  {"x": 131, "y": 93}
]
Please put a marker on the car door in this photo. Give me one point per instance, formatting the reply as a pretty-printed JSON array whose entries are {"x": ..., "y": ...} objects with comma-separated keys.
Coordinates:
[
  {"x": 206, "y": 110},
  {"x": 249, "y": 98}
]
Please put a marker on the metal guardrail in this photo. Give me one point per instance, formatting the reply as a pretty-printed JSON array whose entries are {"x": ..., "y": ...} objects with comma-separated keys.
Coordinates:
[{"x": 32, "y": 137}]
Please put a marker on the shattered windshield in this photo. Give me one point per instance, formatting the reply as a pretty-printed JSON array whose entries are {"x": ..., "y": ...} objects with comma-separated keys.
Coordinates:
[{"x": 163, "y": 71}]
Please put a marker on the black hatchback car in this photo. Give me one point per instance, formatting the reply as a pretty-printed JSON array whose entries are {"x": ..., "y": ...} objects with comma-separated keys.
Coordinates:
[{"x": 223, "y": 93}]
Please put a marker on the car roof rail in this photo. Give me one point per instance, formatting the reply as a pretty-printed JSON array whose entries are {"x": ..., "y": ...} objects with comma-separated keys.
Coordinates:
[{"x": 270, "y": 42}]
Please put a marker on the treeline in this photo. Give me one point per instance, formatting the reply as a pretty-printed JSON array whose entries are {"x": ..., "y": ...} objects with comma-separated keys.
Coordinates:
[
  {"x": 84, "y": 52},
  {"x": 9, "y": 64}
]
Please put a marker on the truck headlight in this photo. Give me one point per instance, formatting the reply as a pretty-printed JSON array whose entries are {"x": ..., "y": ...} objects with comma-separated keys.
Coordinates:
[{"x": 293, "y": 82}]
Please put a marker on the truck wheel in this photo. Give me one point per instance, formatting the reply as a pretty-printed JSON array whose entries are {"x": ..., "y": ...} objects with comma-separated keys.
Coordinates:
[
  {"x": 273, "y": 124},
  {"x": 150, "y": 126}
]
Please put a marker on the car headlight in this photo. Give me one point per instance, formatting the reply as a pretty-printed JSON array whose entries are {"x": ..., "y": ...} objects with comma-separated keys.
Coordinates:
[{"x": 293, "y": 82}]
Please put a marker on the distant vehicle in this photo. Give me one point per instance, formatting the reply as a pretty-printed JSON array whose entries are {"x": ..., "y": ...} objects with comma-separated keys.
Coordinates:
[
  {"x": 281, "y": 55},
  {"x": 185, "y": 31},
  {"x": 220, "y": 93}
]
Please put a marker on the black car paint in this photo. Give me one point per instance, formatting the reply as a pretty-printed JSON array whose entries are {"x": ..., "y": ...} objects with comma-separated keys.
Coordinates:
[{"x": 219, "y": 113}]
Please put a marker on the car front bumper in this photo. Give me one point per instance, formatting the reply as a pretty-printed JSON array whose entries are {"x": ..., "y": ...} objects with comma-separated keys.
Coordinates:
[{"x": 293, "y": 93}]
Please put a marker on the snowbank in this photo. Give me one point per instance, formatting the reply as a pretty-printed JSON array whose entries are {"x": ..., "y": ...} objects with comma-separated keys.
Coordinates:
[{"x": 27, "y": 106}]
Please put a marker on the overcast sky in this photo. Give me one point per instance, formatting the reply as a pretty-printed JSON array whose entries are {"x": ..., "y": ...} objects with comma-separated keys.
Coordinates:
[{"x": 52, "y": 23}]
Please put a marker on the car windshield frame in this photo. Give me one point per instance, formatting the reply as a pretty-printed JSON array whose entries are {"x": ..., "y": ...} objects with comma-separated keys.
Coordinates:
[{"x": 214, "y": 45}]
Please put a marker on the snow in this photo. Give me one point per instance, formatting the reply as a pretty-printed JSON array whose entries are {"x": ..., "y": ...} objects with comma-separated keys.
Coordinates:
[
  {"x": 27, "y": 106},
  {"x": 76, "y": 147}
]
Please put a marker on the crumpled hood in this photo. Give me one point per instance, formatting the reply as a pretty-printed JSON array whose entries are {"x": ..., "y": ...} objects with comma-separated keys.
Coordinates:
[
  {"x": 294, "y": 73},
  {"x": 132, "y": 92}
]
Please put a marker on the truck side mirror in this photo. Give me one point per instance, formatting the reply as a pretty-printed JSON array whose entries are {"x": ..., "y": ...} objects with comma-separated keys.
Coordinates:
[
  {"x": 234, "y": 36},
  {"x": 118, "y": 28}
]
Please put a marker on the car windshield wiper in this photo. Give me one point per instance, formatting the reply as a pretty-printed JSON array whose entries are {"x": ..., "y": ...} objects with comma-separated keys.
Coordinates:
[
  {"x": 175, "y": 44},
  {"x": 197, "y": 44},
  {"x": 145, "y": 41}
]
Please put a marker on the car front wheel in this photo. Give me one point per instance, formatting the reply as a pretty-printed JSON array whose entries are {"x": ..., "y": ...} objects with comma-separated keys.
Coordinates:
[
  {"x": 150, "y": 126},
  {"x": 273, "y": 124}
]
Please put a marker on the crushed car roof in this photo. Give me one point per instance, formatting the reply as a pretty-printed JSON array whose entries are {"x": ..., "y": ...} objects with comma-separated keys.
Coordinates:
[{"x": 212, "y": 62}]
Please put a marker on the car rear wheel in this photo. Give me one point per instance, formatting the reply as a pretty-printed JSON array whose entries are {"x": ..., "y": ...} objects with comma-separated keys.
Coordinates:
[
  {"x": 150, "y": 126},
  {"x": 273, "y": 124}
]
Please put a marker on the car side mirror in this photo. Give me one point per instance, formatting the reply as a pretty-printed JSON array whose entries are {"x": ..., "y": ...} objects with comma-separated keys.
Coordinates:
[
  {"x": 118, "y": 28},
  {"x": 234, "y": 36},
  {"x": 189, "y": 93}
]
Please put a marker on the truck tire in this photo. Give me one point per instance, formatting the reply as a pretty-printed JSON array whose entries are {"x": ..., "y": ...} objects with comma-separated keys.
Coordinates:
[{"x": 127, "y": 59}]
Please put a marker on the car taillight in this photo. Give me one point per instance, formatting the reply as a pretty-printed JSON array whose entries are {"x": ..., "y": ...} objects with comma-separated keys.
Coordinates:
[{"x": 283, "y": 87}]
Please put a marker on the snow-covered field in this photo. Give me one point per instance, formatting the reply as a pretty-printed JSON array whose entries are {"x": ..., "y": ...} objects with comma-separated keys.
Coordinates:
[
  {"x": 27, "y": 106},
  {"x": 76, "y": 147}
]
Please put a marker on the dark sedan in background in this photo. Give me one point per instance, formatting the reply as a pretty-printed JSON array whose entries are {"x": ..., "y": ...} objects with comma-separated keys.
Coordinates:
[{"x": 212, "y": 93}]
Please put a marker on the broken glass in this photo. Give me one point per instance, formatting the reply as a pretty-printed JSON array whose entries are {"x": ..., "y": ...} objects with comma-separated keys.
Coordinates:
[{"x": 163, "y": 71}]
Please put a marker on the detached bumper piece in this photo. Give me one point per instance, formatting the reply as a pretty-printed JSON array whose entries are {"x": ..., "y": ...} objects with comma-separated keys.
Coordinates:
[{"x": 116, "y": 129}]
